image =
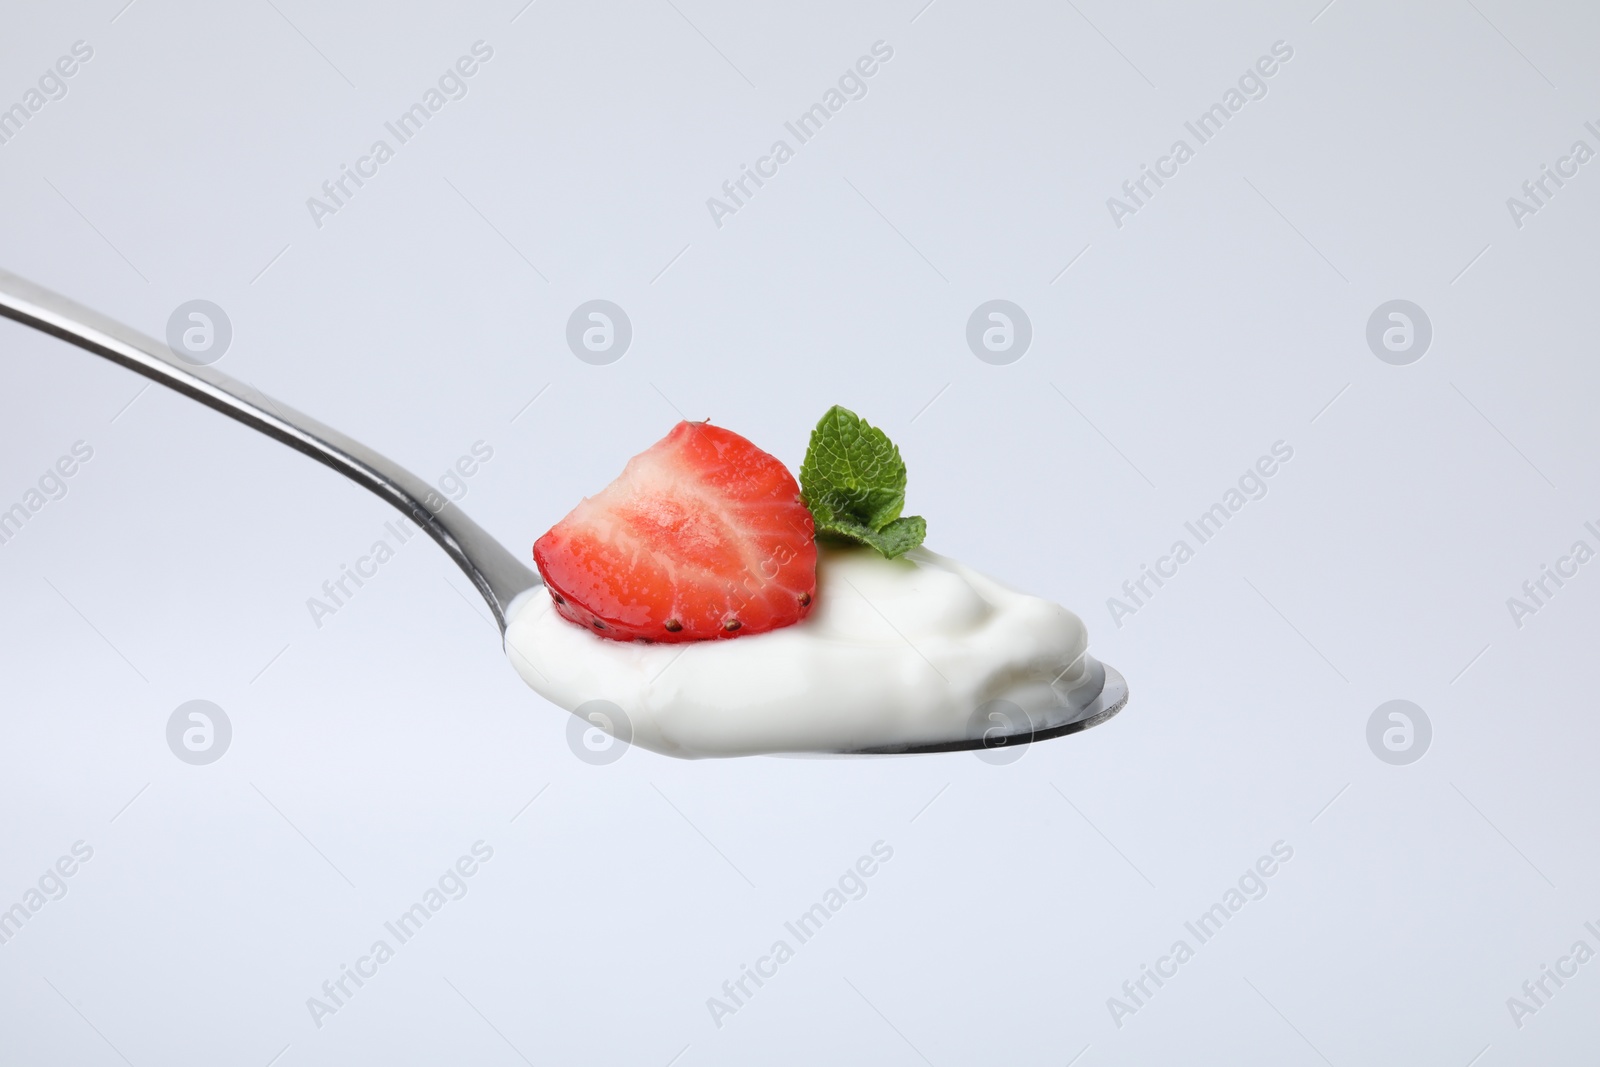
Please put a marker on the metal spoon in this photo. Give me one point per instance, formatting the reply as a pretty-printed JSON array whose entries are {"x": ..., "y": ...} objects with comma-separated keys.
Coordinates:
[{"x": 498, "y": 574}]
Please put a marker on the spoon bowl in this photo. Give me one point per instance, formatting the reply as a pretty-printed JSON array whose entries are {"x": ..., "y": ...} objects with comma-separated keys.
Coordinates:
[{"x": 1087, "y": 707}]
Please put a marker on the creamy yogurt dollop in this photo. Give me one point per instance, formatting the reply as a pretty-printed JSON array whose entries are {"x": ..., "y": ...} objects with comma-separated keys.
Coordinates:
[{"x": 895, "y": 652}]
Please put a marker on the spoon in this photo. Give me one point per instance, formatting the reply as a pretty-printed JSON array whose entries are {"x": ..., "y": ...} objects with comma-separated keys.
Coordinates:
[{"x": 500, "y": 577}]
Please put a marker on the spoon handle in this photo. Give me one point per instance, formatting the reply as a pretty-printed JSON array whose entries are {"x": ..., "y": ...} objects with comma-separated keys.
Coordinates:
[{"x": 498, "y": 574}]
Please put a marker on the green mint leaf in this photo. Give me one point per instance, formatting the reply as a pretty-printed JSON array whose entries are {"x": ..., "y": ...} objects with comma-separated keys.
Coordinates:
[
  {"x": 900, "y": 536},
  {"x": 854, "y": 482},
  {"x": 852, "y": 471},
  {"x": 894, "y": 540}
]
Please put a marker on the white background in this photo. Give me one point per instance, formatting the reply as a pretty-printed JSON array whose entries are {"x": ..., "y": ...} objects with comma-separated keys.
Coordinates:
[{"x": 1227, "y": 314}]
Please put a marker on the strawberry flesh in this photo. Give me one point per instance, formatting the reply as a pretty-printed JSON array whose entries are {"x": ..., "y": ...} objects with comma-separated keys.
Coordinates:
[{"x": 702, "y": 536}]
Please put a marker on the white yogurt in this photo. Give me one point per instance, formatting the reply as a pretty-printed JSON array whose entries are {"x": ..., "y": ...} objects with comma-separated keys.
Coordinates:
[{"x": 895, "y": 652}]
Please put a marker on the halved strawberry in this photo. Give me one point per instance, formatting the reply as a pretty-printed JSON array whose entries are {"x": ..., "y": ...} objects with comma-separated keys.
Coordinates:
[{"x": 703, "y": 535}]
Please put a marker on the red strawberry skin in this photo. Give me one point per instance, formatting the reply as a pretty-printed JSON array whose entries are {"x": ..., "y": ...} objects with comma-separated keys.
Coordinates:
[{"x": 702, "y": 536}]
